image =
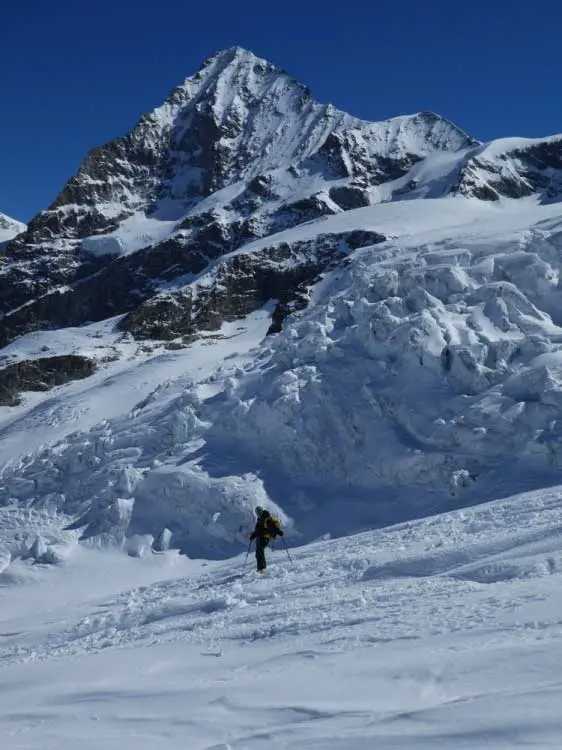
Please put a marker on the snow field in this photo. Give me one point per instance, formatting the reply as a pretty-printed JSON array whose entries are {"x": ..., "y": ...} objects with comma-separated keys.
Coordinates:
[
  {"x": 440, "y": 632},
  {"x": 9, "y": 228}
]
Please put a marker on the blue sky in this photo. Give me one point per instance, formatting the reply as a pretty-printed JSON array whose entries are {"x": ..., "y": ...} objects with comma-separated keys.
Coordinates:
[{"x": 74, "y": 74}]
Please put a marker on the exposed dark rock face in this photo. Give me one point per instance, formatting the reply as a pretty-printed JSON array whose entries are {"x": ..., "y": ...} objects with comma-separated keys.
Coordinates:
[
  {"x": 349, "y": 197},
  {"x": 242, "y": 284},
  {"x": 41, "y": 375},
  {"x": 515, "y": 173},
  {"x": 123, "y": 283}
]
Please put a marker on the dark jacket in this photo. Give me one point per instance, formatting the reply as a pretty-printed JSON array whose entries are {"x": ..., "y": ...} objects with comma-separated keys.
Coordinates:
[{"x": 266, "y": 528}]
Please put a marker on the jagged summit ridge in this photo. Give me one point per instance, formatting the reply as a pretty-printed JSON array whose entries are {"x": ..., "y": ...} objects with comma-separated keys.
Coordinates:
[
  {"x": 237, "y": 117},
  {"x": 261, "y": 111},
  {"x": 238, "y": 152}
]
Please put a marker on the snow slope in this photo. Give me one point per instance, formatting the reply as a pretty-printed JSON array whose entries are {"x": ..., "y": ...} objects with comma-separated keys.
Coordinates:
[
  {"x": 443, "y": 632},
  {"x": 9, "y": 228},
  {"x": 423, "y": 375},
  {"x": 429, "y": 357}
]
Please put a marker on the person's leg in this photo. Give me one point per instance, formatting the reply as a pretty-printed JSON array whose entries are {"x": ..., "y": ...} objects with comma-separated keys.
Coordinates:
[{"x": 260, "y": 554}]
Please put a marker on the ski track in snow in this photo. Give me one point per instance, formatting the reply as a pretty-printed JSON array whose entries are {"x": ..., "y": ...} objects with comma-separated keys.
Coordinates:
[{"x": 440, "y": 632}]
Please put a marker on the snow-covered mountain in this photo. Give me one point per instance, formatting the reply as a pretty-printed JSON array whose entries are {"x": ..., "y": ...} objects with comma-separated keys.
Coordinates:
[
  {"x": 253, "y": 298},
  {"x": 9, "y": 228},
  {"x": 237, "y": 152},
  {"x": 256, "y": 297}
]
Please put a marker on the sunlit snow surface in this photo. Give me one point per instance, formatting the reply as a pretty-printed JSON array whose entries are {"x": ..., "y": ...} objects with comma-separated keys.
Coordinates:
[
  {"x": 444, "y": 632},
  {"x": 425, "y": 374}
]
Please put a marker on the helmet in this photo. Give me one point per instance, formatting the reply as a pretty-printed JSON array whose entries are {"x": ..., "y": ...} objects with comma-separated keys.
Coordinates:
[{"x": 258, "y": 510}]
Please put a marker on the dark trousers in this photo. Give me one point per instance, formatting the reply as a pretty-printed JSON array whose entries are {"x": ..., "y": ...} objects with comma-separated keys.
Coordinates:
[{"x": 261, "y": 544}]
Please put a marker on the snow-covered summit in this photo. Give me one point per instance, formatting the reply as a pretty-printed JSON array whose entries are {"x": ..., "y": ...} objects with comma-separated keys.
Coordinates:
[
  {"x": 240, "y": 150},
  {"x": 9, "y": 228},
  {"x": 237, "y": 118}
]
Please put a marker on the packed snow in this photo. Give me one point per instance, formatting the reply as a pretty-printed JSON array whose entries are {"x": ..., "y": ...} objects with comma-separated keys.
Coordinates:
[{"x": 443, "y": 632}]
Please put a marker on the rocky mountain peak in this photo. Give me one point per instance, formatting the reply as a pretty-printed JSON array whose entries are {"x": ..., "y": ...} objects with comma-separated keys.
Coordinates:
[
  {"x": 234, "y": 67},
  {"x": 238, "y": 152},
  {"x": 237, "y": 118},
  {"x": 238, "y": 114}
]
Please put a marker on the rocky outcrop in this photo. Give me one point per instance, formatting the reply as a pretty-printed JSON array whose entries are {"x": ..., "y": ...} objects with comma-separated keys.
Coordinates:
[
  {"x": 348, "y": 197},
  {"x": 118, "y": 285},
  {"x": 242, "y": 284},
  {"x": 41, "y": 375},
  {"x": 522, "y": 168}
]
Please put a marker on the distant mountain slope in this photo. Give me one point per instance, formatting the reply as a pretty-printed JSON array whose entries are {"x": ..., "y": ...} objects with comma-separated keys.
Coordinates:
[{"x": 9, "y": 228}]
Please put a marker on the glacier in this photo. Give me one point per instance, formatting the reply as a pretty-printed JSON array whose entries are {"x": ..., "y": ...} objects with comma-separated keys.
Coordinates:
[{"x": 357, "y": 325}]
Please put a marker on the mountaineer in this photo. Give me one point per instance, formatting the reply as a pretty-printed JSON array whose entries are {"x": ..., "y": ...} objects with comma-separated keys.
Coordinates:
[{"x": 267, "y": 528}]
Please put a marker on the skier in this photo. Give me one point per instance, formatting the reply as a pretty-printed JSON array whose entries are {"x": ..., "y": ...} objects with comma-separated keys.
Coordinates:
[{"x": 267, "y": 528}]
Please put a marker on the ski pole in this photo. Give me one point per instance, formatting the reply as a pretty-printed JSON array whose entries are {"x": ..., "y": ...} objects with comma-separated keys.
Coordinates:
[
  {"x": 287, "y": 550},
  {"x": 247, "y": 553}
]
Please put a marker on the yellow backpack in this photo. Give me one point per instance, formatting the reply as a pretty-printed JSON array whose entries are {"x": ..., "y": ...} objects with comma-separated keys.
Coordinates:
[{"x": 276, "y": 522}]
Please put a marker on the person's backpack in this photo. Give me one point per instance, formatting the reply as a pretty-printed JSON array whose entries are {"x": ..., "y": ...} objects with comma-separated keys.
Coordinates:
[{"x": 276, "y": 523}]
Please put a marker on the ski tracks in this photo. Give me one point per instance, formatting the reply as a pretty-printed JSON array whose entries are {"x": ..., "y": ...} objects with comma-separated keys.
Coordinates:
[{"x": 463, "y": 572}]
